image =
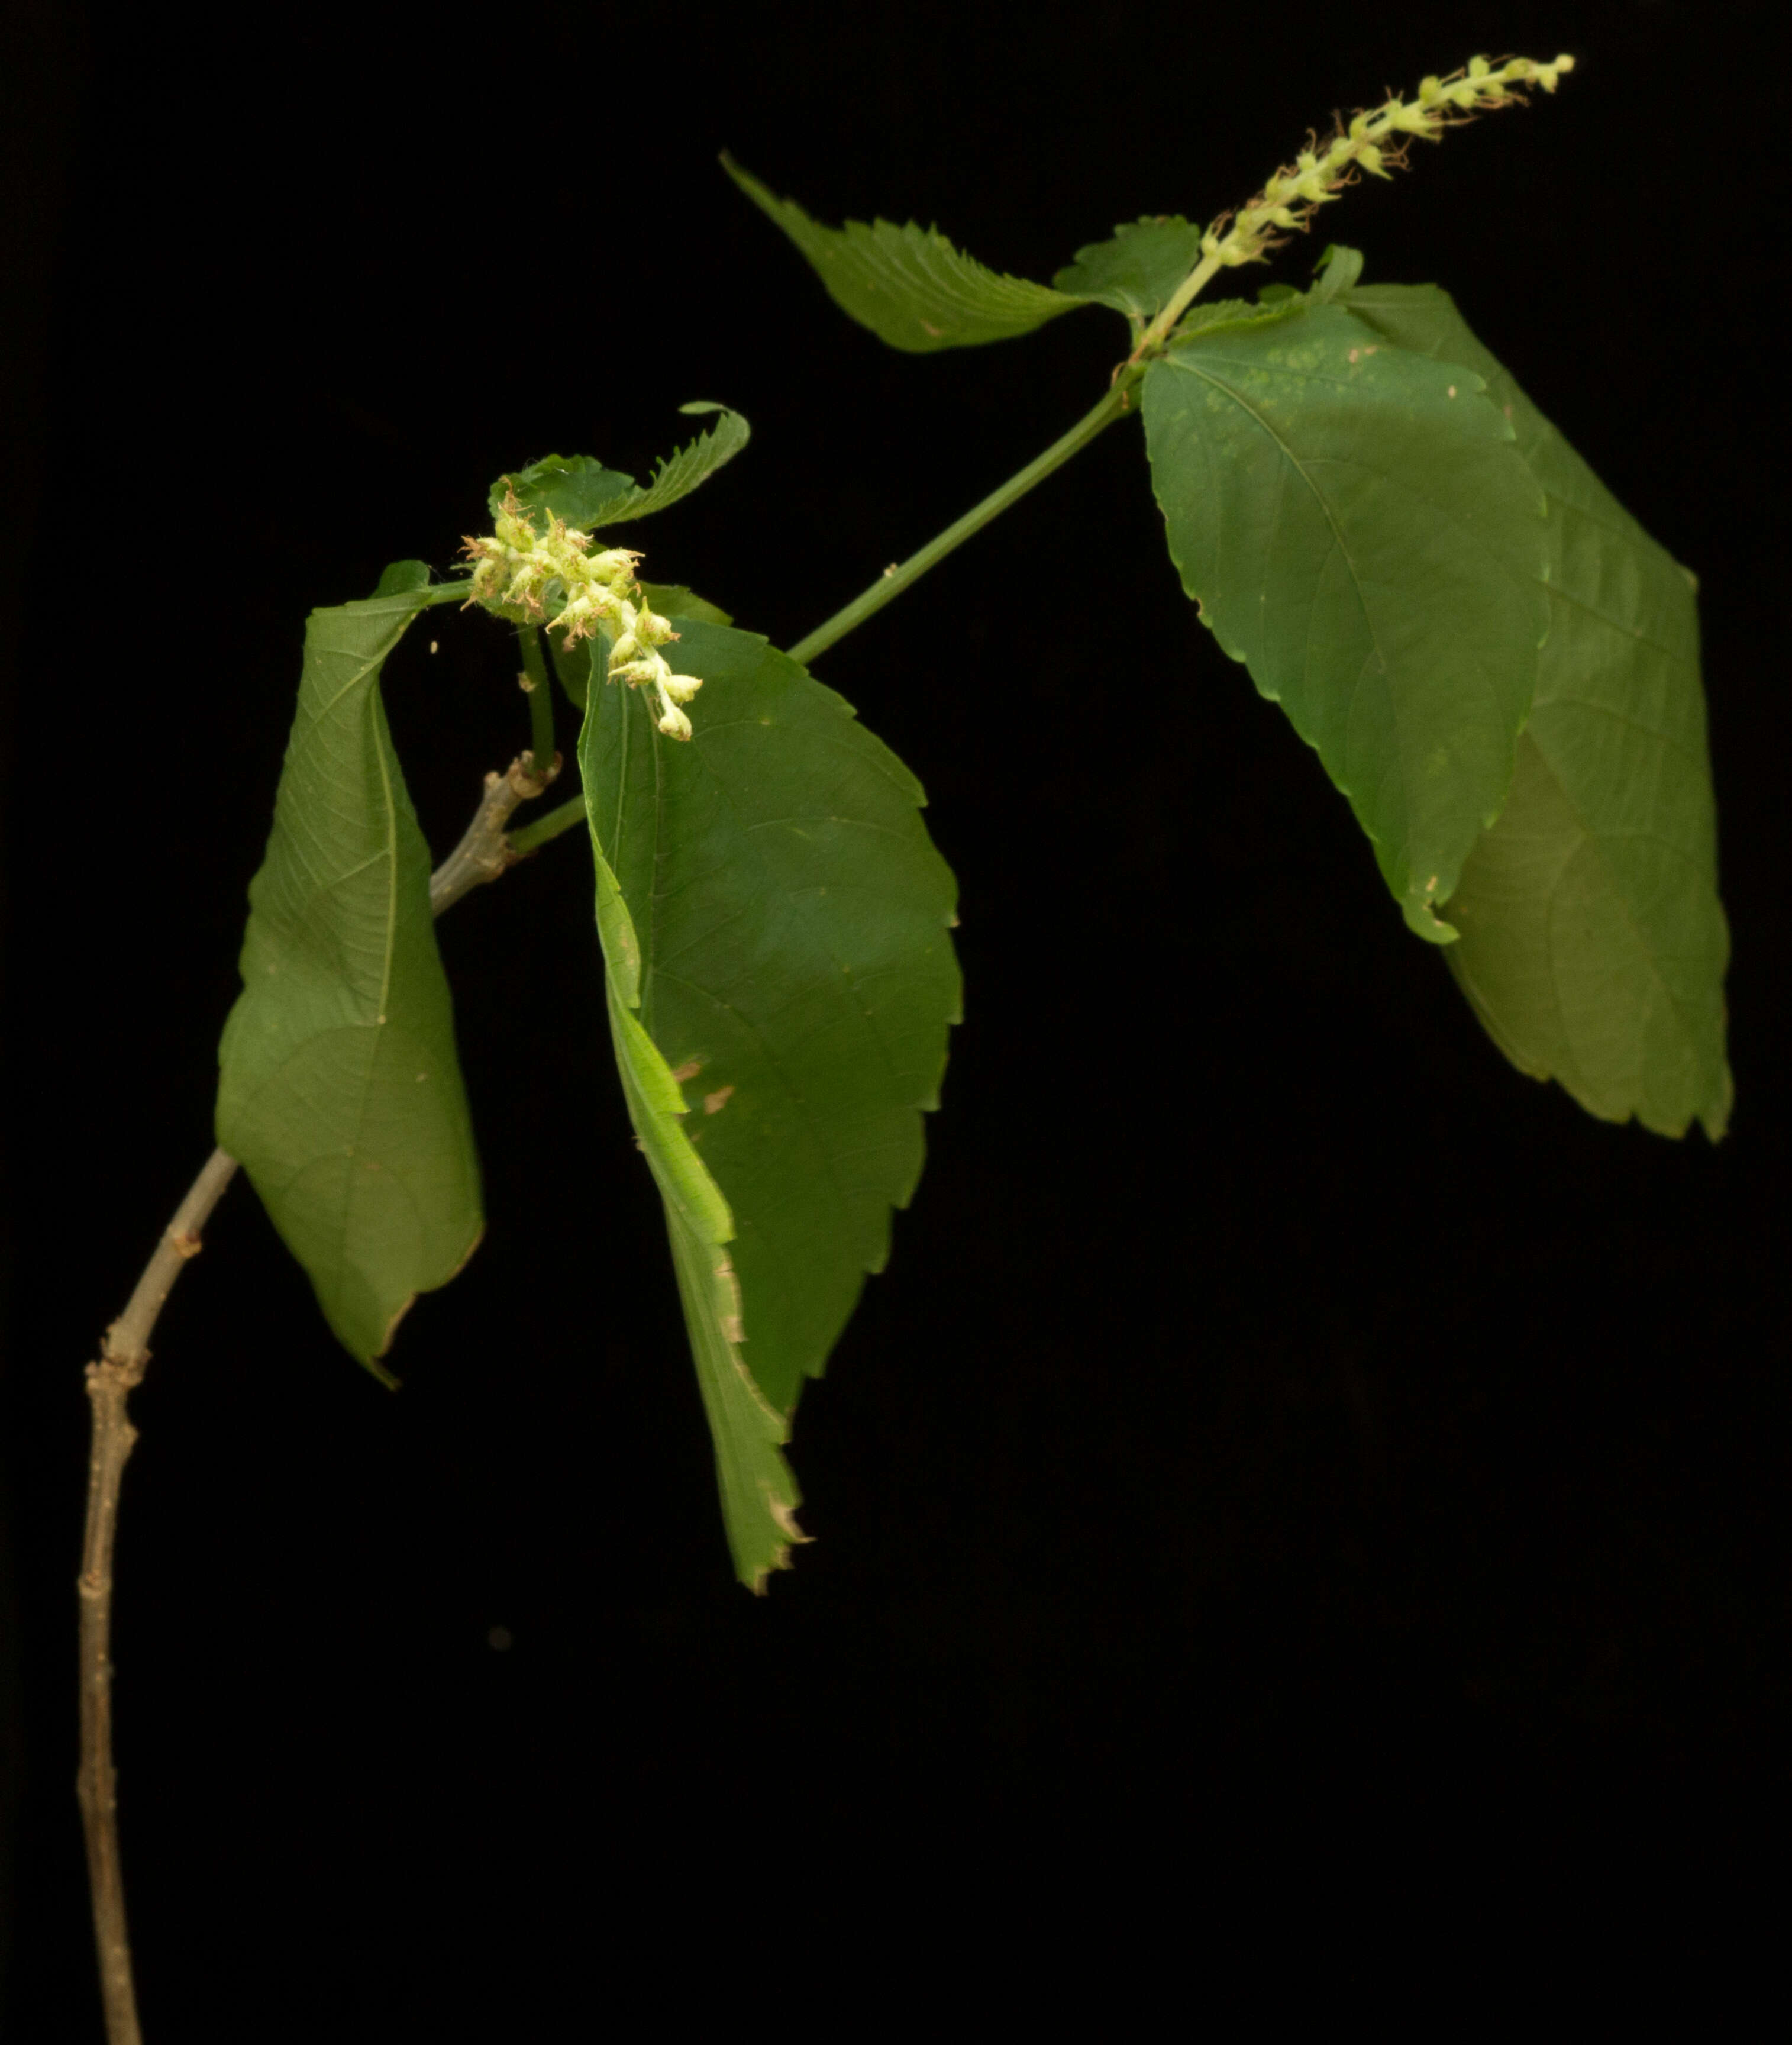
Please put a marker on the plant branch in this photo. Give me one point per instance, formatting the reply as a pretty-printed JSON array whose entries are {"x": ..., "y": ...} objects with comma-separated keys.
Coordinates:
[
  {"x": 486, "y": 850},
  {"x": 124, "y": 1354},
  {"x": 894, "y": 580},
  {"x": 482, "y": 854}
]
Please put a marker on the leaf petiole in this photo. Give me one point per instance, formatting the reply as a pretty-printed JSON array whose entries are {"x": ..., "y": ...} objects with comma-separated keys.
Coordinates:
[
  {"x": 567, "y": 816},
  {"x": 457, "y": 591}
]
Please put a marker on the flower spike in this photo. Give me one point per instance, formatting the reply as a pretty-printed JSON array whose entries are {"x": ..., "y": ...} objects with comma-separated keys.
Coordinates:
[{"x": 1375, "y": 142}]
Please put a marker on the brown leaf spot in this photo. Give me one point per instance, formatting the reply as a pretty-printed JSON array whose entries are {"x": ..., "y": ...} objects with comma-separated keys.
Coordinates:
[
  {"x": 714, "y": 1103},
  {"x": 688, "y": 1070}
]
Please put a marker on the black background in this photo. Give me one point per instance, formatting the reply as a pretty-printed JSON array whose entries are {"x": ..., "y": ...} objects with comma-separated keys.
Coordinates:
[{"x": 1274, "y": 1403}]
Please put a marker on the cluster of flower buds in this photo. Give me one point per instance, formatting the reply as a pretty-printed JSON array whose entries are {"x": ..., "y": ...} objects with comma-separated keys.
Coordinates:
[
  {"x": 555, "y": 580},
  {"x": 1375, "y": 142}
]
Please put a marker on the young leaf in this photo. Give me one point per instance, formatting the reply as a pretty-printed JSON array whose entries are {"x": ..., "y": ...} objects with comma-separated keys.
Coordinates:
[
  {"x": 682, "y": 472},
  {"x": 1359, "y": 528},
  {"x": 789, "y": 917},
  {"x": 586, "y": 494},
  {"x": 1138, "y": 271},
  {"x": 1594, "y": 944},
  {"x": 399, "y": 578},
  {"x": 338, "y": 1088},
  {"x": 909, "y": 284},
  {"x": 1339, "y": 268},
  {"x": 575, "y": 488}
]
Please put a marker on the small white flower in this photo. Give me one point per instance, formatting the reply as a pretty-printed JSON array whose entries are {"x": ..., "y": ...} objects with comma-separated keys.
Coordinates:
[{"x": 522, "y": 574}]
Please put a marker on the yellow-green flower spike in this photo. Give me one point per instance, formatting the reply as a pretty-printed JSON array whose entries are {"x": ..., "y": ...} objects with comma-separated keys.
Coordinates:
[
  {"x": 555, "y": 579},
  {"x": 1375, "y": 142}
]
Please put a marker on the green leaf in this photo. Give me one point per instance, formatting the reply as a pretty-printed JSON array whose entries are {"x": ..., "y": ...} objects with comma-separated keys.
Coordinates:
[
  {"x": 909, "y": 284},
  {"x": 1594, "y": 944},
  {"x": 1359, "y": 528},
  {"x": 758, "y": 1494},
  {"x": 573, "y": 664},
  {"x": 789, "y": 920},
  {"x": 399, "y": 578},
  {"x": 575, "y": 488},
  {"x": 681, "y": 472},
  {"x": 339, "y": 1089},
  {"x": 1338, "y": 269},
  {"x": 1271, "y": 306},
  {"x": 1138, "y": 271},
  {"x": 586, "y": 494},
  {"x": 672, "y": 599}
]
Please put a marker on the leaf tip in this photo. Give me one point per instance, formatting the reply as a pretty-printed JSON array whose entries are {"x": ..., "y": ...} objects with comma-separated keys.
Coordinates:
[
  {"x": 1715, "y": 1120},
  {"x": 1422, "y": 918}
]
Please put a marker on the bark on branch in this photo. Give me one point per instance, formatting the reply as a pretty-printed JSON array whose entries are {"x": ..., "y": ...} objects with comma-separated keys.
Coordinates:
[{"x": 482, "y": 854}]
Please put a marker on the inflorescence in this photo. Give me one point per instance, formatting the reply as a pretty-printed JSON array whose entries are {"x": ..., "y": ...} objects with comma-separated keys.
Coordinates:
[
  {"x": 1377, "y": 143},
  {"x": 522, "y": 575}
]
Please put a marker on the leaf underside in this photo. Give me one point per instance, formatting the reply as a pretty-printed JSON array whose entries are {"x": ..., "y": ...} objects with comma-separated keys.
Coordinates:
[
  {"x": 1359, "y": 527},
  {"x": 1594, "y": 944},
  {"x": 909, "y": 284},
  {"x": 339, "y": 1088},
  {"x": 783, "y": 916}
]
